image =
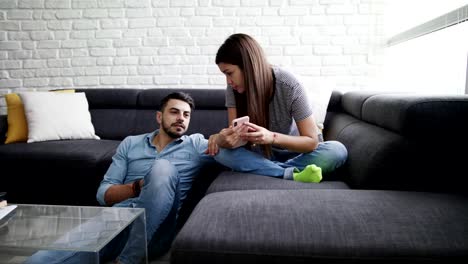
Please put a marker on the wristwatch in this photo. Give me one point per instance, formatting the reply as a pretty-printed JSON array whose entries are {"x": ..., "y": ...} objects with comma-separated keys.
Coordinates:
[{"x": 136, "y": 188}]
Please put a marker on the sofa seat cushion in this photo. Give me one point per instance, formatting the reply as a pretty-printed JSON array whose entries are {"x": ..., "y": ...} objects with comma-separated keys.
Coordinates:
[
  {"x": 66, "y": 171},
  {"x": 231, "y": 181},
  {"x": 87, "y": 151},
  {"x": 325, "y": 226}
]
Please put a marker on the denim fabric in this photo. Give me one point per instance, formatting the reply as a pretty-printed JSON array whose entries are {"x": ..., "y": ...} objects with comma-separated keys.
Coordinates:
[
  {"x": 329, "y": 155},
  {"x": 160, "y": 198}
]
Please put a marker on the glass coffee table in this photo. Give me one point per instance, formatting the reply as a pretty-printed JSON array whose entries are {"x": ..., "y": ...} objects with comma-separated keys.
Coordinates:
[{"x": 32, "y": 228}]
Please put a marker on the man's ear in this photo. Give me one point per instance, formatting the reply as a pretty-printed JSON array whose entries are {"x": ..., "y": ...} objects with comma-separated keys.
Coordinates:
[{"x": 158, "y": 117}]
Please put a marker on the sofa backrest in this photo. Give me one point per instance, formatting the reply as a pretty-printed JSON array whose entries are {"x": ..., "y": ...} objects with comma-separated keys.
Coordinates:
[
  {"x": 117, "y": 113},
  {"x": 3, "y": 128},
  {"x": 401, "y": 141}
]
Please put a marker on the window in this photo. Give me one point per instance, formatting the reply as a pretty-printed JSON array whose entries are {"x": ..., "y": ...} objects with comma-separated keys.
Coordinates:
[{"x": 427, "y": 46}]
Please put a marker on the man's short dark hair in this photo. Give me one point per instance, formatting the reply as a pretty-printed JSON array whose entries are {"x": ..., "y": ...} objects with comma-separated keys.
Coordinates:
[{"x": 179, "y": 96}]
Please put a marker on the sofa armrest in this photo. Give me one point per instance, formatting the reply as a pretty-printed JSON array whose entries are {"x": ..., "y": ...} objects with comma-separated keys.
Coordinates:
[
  {"x": 334, "y": 105},
  {"x": 398, "y": 140},
  {"x": 3, "y": 128}
]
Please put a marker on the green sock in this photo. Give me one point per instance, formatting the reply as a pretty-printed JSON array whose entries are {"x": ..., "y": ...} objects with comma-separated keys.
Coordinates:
[{"x": 311, "y": 173}]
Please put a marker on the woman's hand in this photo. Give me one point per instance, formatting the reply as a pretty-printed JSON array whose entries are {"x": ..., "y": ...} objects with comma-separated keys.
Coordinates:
[
  {"x": 258, "y": 135},
  {"x": 306, "y": 141}
]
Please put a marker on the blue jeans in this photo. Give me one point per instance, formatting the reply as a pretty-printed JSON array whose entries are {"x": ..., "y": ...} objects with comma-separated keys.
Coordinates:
[
  {"x": 329, "y": 155},
  {"x": 160, "y": 197}
]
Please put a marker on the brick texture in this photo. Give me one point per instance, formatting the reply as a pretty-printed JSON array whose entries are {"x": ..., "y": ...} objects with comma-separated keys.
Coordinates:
[{"x": 47, "y": 44}]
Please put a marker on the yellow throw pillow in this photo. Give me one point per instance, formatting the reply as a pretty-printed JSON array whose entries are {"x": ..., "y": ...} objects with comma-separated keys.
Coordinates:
[{"x": 17, "y": 124}]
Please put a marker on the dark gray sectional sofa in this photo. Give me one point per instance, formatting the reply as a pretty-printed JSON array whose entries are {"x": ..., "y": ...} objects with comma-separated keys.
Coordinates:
[{"x": 399, "y": 198}]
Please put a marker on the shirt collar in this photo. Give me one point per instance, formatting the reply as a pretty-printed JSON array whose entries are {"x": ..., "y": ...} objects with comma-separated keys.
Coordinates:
[{"x": 150, "y": 137}]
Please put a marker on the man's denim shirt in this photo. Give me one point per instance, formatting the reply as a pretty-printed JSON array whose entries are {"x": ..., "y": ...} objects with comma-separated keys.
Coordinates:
[{"x": 136, "y": 154}]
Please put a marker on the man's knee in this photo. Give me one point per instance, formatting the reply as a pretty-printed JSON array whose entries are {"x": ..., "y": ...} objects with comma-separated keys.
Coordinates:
[{"x": 162, "y": 172}]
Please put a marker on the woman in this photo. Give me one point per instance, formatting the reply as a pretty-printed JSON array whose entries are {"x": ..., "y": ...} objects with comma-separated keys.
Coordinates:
[{"x": 282, "y": 134}]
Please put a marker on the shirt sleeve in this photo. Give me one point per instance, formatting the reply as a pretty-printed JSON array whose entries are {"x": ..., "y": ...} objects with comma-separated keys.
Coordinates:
[
  {"x": 117, "y": 171},
  {"x": 300, "y": 105},
  {"x": 200, "y": 143},
  {"x": 230, "y": 98}
]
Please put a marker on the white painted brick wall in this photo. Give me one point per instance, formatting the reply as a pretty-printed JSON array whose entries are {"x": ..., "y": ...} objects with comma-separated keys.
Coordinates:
[{"x": 49, "y": 44}]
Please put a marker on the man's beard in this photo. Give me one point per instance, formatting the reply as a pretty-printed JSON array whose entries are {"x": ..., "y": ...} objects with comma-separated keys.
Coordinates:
[{"x": 167, "y": 129}]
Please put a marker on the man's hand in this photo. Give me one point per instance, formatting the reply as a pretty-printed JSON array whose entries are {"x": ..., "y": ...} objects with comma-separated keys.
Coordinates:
[
  {"x": 120, "y": 192},
  {"x": 230, "y": 138},
  {"x": 212, "y": 145},
  {"x": 142, "y": 182}
]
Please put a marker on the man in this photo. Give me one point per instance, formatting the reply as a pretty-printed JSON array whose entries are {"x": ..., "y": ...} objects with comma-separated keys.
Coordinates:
[{"x": 154, "y": 171}]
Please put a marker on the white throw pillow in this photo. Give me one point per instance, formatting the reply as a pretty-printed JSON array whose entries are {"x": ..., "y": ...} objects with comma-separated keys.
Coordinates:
[
  {"x": 319, "y": 93},
  {"x": 56, "y": 116}
]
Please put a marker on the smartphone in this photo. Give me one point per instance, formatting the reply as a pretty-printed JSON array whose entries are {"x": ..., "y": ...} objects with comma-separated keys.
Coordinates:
[
  {"x": 238, "y": 128},
  {"x": 236, "y": 123}
]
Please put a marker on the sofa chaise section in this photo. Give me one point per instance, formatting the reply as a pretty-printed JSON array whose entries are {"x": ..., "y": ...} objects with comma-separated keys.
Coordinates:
[{"x": 325, "y": 226}]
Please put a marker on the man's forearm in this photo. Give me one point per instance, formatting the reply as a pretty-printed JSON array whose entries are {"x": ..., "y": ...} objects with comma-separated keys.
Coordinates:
[{"x": 118, "y": 193}]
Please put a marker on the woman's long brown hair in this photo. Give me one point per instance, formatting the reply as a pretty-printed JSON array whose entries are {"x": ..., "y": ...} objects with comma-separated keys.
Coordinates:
[{"x": 245, "y": 52}]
